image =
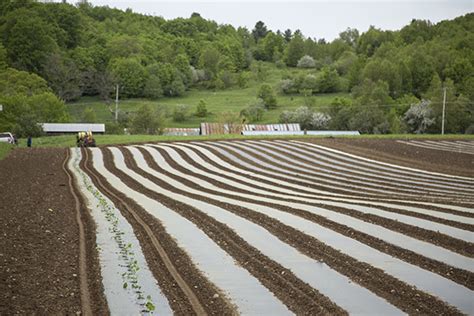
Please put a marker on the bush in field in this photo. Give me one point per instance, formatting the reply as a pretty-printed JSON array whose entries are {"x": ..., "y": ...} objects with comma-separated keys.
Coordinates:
[
  {"x": 201, "y": 109},
  {"x": 419, "y": 117},
  {"x": 180, "y": 113},
  {"x": 254, "y": 112},
  {"x": 89, "y": 116},
  {"x": 288, "y": 86},
  {"x": 147, "y": 121},
  {"x": 267, "y": 95},
  {"x": 306, "y": 62},
  {"x": 306, "y": 118}
]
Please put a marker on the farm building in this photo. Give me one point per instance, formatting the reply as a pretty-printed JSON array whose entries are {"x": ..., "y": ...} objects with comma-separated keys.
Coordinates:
[{"x": 72, "y": 128}]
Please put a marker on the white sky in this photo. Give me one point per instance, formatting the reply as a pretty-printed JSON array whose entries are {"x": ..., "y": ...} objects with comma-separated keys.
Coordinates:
[{"x": 315, "y": 18}]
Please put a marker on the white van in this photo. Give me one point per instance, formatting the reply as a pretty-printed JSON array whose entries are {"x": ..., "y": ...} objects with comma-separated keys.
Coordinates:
[{"x": 7, "y": 138}]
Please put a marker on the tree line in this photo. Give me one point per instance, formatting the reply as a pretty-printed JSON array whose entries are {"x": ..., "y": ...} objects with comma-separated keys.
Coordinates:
[{"x": 78, "y": 50}]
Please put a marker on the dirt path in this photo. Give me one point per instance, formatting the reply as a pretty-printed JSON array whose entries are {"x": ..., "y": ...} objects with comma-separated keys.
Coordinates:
[{"x": 39, "y": 252}]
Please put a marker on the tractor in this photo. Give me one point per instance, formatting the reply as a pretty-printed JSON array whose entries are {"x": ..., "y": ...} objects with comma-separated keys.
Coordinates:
[{"x": 85, "y": 139}]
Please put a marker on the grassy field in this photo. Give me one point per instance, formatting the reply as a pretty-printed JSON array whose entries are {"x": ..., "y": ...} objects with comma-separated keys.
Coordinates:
[
  {"x": 102, "y": 140},
  {"x": 235, "y": 100},
  {"x": 5, "y": 149}
]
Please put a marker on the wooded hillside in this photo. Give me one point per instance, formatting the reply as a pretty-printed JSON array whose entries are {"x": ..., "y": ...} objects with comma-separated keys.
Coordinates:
[{"x": 55, "y": 52}]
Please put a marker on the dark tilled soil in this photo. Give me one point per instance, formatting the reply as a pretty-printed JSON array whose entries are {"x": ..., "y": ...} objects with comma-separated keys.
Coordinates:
[
  {"x": 404, "y": 297},
  {"x": 391, "y": 151},
  {"x": 457, "y": 275},
  {"x": 39, "y": 252}
]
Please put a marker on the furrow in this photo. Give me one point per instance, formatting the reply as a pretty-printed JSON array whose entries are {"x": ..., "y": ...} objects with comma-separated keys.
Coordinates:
[
  {"x": 352, "y": 169},
  {"x": 420, "y": 278},
  {"x": 205, "y": 248}
]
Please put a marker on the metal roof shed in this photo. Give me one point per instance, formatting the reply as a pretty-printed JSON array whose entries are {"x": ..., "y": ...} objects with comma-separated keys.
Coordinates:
[{"x": 66, "y": 128}]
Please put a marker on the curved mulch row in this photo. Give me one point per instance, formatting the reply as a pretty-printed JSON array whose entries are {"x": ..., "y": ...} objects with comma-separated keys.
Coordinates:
[
  {"x": 457, "y": 275},
  {"x": 391, "y": 151},
  {"x": 178, "y": 300},
  {"x": 396, "y": 292},
  {"x": 437, "y": 238},
  {"x": 293, "y": 292},
  {"x": 368, "y": 179},
  {"x": 329, "y": 198}
]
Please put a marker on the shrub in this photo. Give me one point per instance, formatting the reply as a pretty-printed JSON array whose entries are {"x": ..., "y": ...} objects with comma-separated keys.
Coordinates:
[
  {"x": 147, "y": 121},
  {"x": 306, "y": 62},
  {"x": 267, "y": 95},
  {"x": 180, "y": 113},
  {"x": 419, "y": 117},
  {"x": 254, "y": 112},
  {"x": 201, "y": 109},
  {"x": 287, "y": 86}
]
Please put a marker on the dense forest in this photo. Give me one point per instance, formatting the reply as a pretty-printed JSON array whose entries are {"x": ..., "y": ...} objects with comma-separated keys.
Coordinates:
[{"x": 52, "y": 53}]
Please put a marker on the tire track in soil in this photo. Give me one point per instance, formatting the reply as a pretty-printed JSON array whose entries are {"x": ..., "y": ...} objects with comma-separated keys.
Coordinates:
[
  {"x": 187, "y": 302},
  {"x": 439, "y": 239},
  {"x": 297, "y": 295},
  {"x": 83, "y": 276},
  {"x": 398, "y": 293}
]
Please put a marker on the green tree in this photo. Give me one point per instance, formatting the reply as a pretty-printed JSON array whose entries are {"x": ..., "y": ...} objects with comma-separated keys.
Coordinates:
[
  {"x": 147, "y": 121},
  {"x": 130, "y": 75},
  {"x": 267, "y": 94},
  {"x": 201, "y": 109},
  {"x": 327, "y": 80},
  {"x": 89, "y": 116},
  {"x": 295, "y": 50},
  {"x": 254, "y": 111},
  {"x": 63, "y": 77},
  {"x": 259, "y": 31},
  {"x": 153, "y": 89},
  {"x": 180, "y": 113},
  {"x": 3, "y": 58},
  {"x": 28, "y": 40}
]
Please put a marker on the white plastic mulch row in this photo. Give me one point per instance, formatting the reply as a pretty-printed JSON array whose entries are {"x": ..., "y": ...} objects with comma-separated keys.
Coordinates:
[
  {"x": 445, "y": 289},
  {"x": 362, "y": 186},
  {"x": 438, "y": 146},
  {"x": 284, "y": 174},
  {"x": 237, "y": 283},
  {"x": 119, "y": 254},
  {"x": 398, "y": 239},
  {"x": 292, "y": 189},
  {"x": 370, "y": 172}
]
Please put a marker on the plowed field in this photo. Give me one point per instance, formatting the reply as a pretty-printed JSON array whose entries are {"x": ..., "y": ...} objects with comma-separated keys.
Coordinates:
[{"x": 325, "y": 226}]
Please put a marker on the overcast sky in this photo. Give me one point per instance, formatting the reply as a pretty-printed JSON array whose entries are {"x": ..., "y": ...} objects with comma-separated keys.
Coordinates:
[{"x": 315, "y": 18}]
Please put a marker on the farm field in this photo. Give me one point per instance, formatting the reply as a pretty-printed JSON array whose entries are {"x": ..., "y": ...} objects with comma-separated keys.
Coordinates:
[{"x": 303, "y": 226}]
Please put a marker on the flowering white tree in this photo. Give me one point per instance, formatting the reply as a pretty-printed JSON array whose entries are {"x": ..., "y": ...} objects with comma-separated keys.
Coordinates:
[
  {"x": 419, "y": 117},
  {"x": 306, "y": 62}
]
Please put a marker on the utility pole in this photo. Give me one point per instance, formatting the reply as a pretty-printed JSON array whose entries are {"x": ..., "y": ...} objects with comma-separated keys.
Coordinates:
[
  {"x": 444, "y": 109},
  {"x": 116, "y": 103}
]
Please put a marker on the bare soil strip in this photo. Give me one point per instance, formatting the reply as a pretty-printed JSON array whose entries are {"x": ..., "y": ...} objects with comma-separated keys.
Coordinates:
[
  {"x": 271, "y": 163},
  {"x": 155, "y": 240},
  {"x": 294, "y": 154},
  {"x": 392, "y": 152},
  {"x": 378, "y": 167},
  {"x": 39, "y": 256},
  {"x": 297, "y": 191},
  {"x": 458, "y": 275},
  {"x": 85, "y": 294},
  {"x": 437, "y": 147},
  {"x": 294, "y": 293},
  {"x": 361, "y": 273},
  {"x": 229, "y": 156},
  {"x": 431, "y": 236}
]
